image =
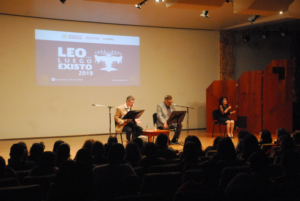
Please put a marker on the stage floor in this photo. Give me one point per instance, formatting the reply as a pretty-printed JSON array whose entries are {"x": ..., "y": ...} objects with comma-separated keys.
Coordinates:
[{"x": 76, "y": 142}]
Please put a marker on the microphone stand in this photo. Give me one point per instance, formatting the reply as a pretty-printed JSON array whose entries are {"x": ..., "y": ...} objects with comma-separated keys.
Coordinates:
[
  {"x": 187, "y": 111},
  {"x": 109, "y": 107}
]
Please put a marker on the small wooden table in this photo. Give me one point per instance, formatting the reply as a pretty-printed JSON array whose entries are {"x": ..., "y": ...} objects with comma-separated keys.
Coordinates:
[{"x": 151, "y": 132}]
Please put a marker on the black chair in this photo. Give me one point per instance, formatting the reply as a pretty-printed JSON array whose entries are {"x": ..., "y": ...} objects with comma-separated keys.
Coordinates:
[
  {"x": 164, "y": 168},
  {"x": 143, "y": 197},
  {"x": 215, "y": 115},
  {"x": 120, "y": 133},
  {"x": 9, "y": 182}
]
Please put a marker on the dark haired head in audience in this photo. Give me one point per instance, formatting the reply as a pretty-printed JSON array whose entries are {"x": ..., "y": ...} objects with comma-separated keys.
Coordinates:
[
  {"x": 23, "y": 144},
  {"x": 140, "y": 144},
  {"x": 250, "y": 145},
  {"x": 265, "y": 137},
  {"x": 5, "y": 171},
  {"x": 36, "y": 150},
  {"x": 190, "y": 153},
  {"x": 286, "y": 143},
  {"x": 258, "y": 163},
  {"x": 88, "y": 144},
  {"x": 63, "y": 154},
  {"x": 162, "y": 147},
  {"x": 280, "y": 132},
  {"x": 98, "y": 153},
  {"x": 56, "y": 145},
  {"x": 74, "y": 182},
  {"x": 296, "y": 138},
  {"x": 116, "y": 154},
  {"x": 241, "y": 135},
  {"x": 16, "y": 161},
  {"x": 133, "y": 154},
  {"x": 111, "y": 140},
  {"x": 197, "y": 142},
  {"x": 151, "y": 156},
  {"x": 225, "y": 150},
  {"x": 215, "y": 144},
  {"x": 46, "y": 165},
  {"x": 84, "y": 156}
]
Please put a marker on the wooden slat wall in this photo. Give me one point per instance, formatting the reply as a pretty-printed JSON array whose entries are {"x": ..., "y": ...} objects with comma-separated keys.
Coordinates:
[
  {"x": 277, "y": 97},
  {"x": 250, "y": 100}
]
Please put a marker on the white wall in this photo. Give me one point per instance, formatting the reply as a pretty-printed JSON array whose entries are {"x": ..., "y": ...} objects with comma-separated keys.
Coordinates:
[{"x": 178, "y": 62}]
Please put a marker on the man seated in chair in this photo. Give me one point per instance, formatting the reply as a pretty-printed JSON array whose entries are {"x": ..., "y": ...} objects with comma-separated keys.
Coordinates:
[
  {"x": 126, "y": 125},
  {"x": 164, "y": 111}
]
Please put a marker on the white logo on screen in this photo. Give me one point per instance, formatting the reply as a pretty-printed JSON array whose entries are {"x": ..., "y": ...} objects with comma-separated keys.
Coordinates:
[
  {"x": 108, "y": 58},
  {"x": 53, "y": 79}
]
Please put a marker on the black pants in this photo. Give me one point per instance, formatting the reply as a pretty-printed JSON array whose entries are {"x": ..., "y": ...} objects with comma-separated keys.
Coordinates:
[
  {"x": 177, "y": 130},
  {"x": 134, "y": 129}
]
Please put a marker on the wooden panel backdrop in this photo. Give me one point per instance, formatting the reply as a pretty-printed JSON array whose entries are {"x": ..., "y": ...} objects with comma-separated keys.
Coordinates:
[
  {"x": 250, "y": 101},
  {"x": 278, "y": 96},
  {"x": 213, "y": 93}
]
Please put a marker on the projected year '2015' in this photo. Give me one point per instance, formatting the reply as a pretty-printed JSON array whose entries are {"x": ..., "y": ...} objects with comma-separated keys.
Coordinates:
[{"x": 86, "y": 73}]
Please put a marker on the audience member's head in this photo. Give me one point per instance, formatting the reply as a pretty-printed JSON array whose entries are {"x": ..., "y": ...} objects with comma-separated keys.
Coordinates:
[
  {"x": 190, "y": 152},
  {"x": 195, "y": 140},
  {"x": 84, "y": 155},
  {"x": 258, "y": 162},
  {"x": 242, "y": 134},
  {"x": 116, "y": 154},
  {"x": 112, "y": 140},
  {"x": 280, "y": 132},
  {"x": 23, "y": 144},
  {"x": 63, "y": 152},
  {"x": 133, "y": 154},
  {"x": 250, "y": 145},
  {"x": 161, "y": 141},
  {"x": 150, "y": 150},
  {"x": 36, "y": 150},
  {"x": 216, "y": 141},
  {"x": 286, "y": 143},
  {"x": 47, "y": 160},
  {"x": 97, "y": 149},
  {"x": 290, "y": 162},
  {"x": 140, "y": 143},
  {"x": 265, "y": 136},
  {"x": 296, "y": 137},
  {"x": 56, "y": 145},
  {"x": 2, "y": 165},
  {"x": 88, "y": 144},
  {"x": 17, "y": 152},
  {"x": 226, "y": 149}
]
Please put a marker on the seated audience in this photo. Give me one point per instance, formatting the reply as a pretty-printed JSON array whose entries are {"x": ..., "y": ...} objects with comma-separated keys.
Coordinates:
[
  {"x": 140, "y": 144},
  {"x": 23, "y": 144},
  {"x": 63, "y": 154},
  {"x": 74, "y": 182},
  {"x": 197, "y": 142},
  {"x": 36, "y": 150},
  {"x": 6, "y": 171},
  {"x": 265, "y": 137},
  {"x": 286, "y": 186},
  {"x": 16, "y": 161},
  {"x": 241, "y": 135},
  {"x": 133, "y": 154},
  {"x": 98, "y": 153},
  {"x": 46, "y": 165},
  {"x": 285, "y": 143},
  {"x": 162, "y": 147},
  {"x": 279, "y": 132},
  {"x": 88, "y": 144},
  {"x": 151, "y": 156},
  {"x": 56, "y": 145},
  {"x": 115, "y": 167},
  {"x": 85, "y": 156},
  {"x": 250, "y": 145},
  {"x": 254, "y": 186},
  {"x": 111, "y": 140},
  {"x": 225, "y": 151},
  {"x": 214, "y": 146}
]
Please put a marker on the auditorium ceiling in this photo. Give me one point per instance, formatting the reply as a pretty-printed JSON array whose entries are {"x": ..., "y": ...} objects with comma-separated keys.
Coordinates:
[{"x": 185, "y": 14}]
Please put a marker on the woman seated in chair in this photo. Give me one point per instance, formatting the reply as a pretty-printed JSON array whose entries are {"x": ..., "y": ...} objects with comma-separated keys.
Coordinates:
[{"x": 224, "y": 112}]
